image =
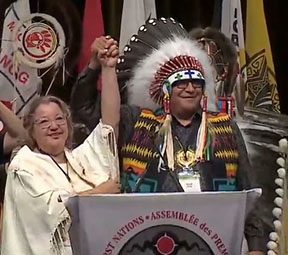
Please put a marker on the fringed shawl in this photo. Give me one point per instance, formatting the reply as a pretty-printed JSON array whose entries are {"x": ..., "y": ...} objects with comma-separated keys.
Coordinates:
[{"x": 35, "y": 218}]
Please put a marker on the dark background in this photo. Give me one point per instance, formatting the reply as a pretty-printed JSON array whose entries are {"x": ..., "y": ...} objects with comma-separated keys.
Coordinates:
[{"x": 191, "y": 13}]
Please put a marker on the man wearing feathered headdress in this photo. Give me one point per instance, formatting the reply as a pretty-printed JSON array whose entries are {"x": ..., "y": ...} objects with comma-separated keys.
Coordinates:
[
  {"x": 171, "y": 136},
  {"x": 173, "y": 120}
]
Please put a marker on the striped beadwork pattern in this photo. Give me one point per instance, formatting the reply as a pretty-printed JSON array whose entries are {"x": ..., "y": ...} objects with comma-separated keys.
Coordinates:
[
  {"x": 223, "y": 144},
  {"x": 141, "y": 149}
]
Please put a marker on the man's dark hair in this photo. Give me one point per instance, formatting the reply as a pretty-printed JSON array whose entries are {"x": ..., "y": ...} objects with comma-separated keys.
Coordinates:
[{"x": 228, "y": 53}]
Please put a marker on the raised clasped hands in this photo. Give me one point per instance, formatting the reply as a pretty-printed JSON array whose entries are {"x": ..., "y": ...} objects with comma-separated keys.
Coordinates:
[{"x": 108, "y": 55}]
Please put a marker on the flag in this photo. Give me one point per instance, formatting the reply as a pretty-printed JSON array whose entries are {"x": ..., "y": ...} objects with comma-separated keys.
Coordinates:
[
  {"x": 134, "y": 14},
  {"x": 232, "y": 27},
  {"x": 261, "y": 81},
  {"x": 18, "y": 84},
  {"x": 92, "y": 28}
]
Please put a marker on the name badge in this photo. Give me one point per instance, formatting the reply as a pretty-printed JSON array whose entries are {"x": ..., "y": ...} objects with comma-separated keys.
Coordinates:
[{"x": 190, "y": 180}]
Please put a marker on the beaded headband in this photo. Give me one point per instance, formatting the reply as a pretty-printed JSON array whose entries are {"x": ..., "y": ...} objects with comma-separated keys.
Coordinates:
[{"x": 178, "y": 68}]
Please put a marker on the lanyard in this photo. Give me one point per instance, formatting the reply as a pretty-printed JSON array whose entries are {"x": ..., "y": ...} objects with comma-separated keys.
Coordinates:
[
  {"x": 55, "y": 162},
  {"x": 66, "y": 174}
]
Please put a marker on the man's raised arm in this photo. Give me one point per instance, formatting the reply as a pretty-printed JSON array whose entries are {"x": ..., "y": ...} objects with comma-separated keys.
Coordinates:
[{"x": 110, "y": 96}]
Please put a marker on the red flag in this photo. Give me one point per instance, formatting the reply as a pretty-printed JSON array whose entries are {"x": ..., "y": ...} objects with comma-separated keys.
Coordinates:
[{"x": 92, "y": 27}]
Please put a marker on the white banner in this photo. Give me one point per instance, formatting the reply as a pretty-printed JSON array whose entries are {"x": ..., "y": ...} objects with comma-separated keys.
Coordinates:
[
  {"x": 134, "y": 15},
  {"x": 164, "y": 223},
  {"x": 232, "y": 27},
  {"x": 17, "y": 84},
  {"x": 232, "y": 24}
]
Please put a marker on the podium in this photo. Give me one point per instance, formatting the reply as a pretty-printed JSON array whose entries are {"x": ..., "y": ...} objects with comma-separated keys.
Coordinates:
[{"x": 160, "y": 223}]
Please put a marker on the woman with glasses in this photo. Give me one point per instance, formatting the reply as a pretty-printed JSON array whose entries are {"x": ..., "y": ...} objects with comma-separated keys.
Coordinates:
[{"x": 41, "y": 176}]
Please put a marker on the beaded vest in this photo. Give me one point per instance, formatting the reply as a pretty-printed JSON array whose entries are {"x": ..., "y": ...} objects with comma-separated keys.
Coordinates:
[{"x": 140, "y": 154}]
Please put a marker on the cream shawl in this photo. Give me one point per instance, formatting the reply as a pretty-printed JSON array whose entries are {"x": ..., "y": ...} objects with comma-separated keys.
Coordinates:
[{"x": 35, "y": 219}]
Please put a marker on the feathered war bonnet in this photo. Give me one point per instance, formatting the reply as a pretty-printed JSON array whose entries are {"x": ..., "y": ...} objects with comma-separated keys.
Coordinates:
[{"x": 160, "y": 54}]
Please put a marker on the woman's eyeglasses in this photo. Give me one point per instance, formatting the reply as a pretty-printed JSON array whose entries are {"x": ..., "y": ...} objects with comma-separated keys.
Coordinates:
[{"x": 45, "y": 123}]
